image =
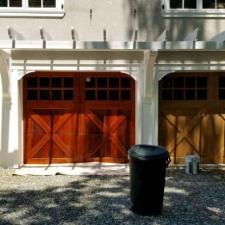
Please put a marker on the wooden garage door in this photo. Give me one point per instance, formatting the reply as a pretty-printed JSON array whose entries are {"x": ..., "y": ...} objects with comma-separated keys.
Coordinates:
[
  {"x": 192, "y": 116},
  {"x": 108, "y": 118},
  {"x": 78, "y": 117}
]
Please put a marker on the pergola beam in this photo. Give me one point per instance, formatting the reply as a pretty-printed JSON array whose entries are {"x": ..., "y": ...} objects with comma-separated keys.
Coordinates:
[{"x": 113, "y": 45}]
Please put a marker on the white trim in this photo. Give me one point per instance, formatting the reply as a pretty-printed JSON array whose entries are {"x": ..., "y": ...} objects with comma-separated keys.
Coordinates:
[
  {"x": 211, "y": 13},
  {"x": 5, "y": 104},
  {"x": 29, "y": 13},
  {"x": 165, "y": 69},
  {"x": 26, "y": 11},
  {"x": 166, "y": 11},
  {"x": 111, "y": 45},
  {"x": 76, "y": 65}
]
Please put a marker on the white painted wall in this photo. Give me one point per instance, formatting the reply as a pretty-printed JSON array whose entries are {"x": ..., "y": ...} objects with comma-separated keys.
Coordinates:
[{"x": 117, "y": 17}]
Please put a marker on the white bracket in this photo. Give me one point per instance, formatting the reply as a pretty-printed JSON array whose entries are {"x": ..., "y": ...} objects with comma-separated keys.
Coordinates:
[
  {"x": 219, "y": 38},
  {"x": 162, "y": 36},
  {"x": 91, "y": 14},
  {"x": 135, "y": 38},
  {"x": 22, "y": 73},
  {"x": 11, "y": 36},
  {"x": 135, "y": 35},
  {"x": 104, "y": 35},
  {"x": 193, "y": 36},
  {"x": 73, "y": 37},
  {"x": 42, "y": 37},
  {"x": 163, "y": 73}
]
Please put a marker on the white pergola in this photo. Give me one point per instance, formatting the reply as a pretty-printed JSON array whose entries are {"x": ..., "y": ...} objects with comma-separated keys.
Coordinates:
[
  {"x": 190, "y": 42},
  {"x": 147, "y": 62}
]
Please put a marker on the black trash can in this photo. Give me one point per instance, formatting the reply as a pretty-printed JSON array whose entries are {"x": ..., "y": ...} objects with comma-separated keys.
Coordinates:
[{"x": 147, "y": 178}]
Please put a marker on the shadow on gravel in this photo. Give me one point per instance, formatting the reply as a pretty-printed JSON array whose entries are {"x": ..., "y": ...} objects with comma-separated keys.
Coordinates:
[{"x": 105, "y": 200}]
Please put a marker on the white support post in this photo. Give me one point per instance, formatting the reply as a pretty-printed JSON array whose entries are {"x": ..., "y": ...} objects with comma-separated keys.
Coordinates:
[
  {"x": 11, "y": 37},
  {"x": 135, "y": 38},
  {"x": 104, "y": 35},
  {"x": 6, "y": 157},
  {"x": 42, "y": 37},
  {"x": 150, "y": 101},
  {"x": 139, "y": 92},
  {"x": 73, "y": 37},
  {"x": 15, "y": 121}
]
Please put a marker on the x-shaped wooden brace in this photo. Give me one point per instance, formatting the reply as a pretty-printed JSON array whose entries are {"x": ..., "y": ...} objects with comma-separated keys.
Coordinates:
[
  {"x": 50, "y": 135},
  {"x": 108, "y": 131},
  {"x": 184, "y": 134}
]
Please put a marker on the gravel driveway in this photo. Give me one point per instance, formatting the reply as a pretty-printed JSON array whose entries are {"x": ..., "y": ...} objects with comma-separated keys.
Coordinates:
[{"x": 87, "y": 200}]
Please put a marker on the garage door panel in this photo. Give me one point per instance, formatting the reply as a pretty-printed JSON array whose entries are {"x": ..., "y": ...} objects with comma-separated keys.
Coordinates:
[
  {"x": 62, "y": 121},
  {"x": 222, "y": 124},
  {"x": 93, "y": 124},
  {"x": 96, "y": 143},
  {"x": 42, "y": 134},
  {"x": 168, "y": 131},
  {"x": 213, "y": 129},
  {"x": 185, "y": 147},
  {"x": 43, "y": 152},
  {"x": 58, "y": 152},
  {"x": 64, "y": 135},
  {"x": 107, "y": 133},
  {"x": 35, "y": 133},
  {"x": 198, "y": 122},
  {"x": 42, "y": 118},
  {"x": 122, "y": 138},
  {"x": 179, "y": 137}
]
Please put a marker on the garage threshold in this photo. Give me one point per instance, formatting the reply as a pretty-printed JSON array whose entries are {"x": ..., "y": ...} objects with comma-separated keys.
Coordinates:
[{"x": 78, "y": 169}]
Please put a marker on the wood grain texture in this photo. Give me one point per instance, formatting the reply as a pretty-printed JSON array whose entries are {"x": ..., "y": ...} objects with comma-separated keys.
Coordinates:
[
  {"x": 194, "y": 126},
  {"x": 78, "y": 130}
]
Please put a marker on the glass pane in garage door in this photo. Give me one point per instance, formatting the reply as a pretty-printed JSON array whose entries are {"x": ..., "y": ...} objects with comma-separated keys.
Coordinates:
[
  {"x": 183, "y": 88},
  {"x": 46, "y": 88},
  {"x": 108, "y": 88}
]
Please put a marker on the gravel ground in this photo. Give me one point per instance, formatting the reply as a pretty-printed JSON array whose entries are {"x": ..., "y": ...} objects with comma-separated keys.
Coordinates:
[{"x": 86, "y": 200}]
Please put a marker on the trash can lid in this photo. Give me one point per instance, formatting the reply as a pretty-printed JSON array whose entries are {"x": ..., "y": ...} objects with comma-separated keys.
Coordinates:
[{"x": 148, "y": 152}]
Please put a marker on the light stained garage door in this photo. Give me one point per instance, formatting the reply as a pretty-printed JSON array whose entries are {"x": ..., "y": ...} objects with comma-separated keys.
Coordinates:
[
  {"x": 78, "y": 117},
  {"x": 192, "y": 116}
]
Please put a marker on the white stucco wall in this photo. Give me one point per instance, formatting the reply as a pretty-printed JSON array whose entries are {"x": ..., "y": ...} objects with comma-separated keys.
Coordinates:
[{"x": 117, "y": 17}]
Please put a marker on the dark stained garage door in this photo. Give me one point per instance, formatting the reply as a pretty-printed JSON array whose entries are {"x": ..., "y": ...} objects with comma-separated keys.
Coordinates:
[
  {"x": 78, "y": 117},
  {"x": 192, "y": 116}
]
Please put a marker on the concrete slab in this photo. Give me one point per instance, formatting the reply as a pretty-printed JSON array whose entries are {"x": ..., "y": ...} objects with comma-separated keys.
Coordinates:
[{"x": 93, "y": 168}]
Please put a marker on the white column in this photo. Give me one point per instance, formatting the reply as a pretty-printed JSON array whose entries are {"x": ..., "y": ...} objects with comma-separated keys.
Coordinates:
[
  {"x": 139, "y": 92},
  {"x": 5, "y": 105},
  {"x": 6, "y": 157},
  {"x": 150, "y": 101},
  {"x": 15, "y": 121}
]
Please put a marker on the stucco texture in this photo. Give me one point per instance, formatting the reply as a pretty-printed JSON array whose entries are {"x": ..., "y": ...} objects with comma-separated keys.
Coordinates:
[{"x": 119, "y": 17}]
